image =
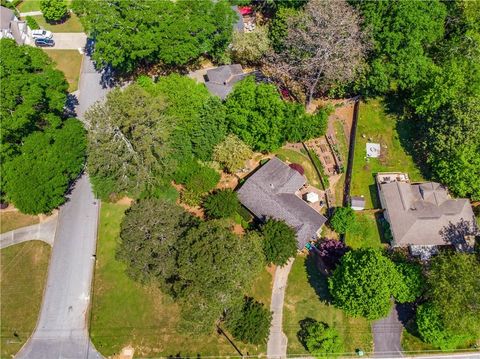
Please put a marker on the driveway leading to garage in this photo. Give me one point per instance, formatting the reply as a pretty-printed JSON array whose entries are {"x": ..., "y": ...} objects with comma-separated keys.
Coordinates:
[
  {"x": 387, "y": 335},
  {"x": 68, "y": 41}
]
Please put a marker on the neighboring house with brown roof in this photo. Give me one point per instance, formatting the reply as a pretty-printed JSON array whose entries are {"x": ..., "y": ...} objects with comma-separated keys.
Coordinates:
[
  {"x": 424, "y": 214},
  {"x": 11, "y": 27},
  {"x": 272, "y": 192},
  {"x": 220, "y": 80}
]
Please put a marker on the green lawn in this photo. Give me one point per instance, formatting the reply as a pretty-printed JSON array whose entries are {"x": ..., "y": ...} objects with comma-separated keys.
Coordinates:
[
  {"x": 23, "y": 272},
  {"x": 307, "y": 297},
  {"x": 69, "y": 62},
  {"x": 125, "y": 312},
  {"x": 366, "y": 233},
  {"x": 13, "y": 220},
  {"x": 29, "y": 5},
  {"x": 383, "y": 128},
  {"x": 297, "y": 157},
  {"x": 72, "y": 24}
]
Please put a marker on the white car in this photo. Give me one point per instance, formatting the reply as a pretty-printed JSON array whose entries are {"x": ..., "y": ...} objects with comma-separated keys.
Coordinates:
[{"x": 41, "y": 34}]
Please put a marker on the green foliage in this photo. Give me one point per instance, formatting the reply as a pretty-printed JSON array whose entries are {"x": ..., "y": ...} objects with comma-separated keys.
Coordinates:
[
  {"x": 363, "y": 283},
  {"x": 249, "y": 47},
  {"x": 221, "y": 204},
  {"x": 32, "y": 23},
  {"x": 320, "y": 339},
  {"x": 432, "y": 329},
  {"x": 128, "y": 142},
  {"x": 279, "y": 242},
  {"x": 232, "y": 153},
  {"x": 53, "y": 10},
  {"x": 38, "y": 178},
  {"x": 301, "y": 126},
  {"x": 454, "y": 289},
  {"x": 131, "y": 33},
  {"x": 343, "y": 219},
  {"x": 203, "y": 180},
  {"x": 206, "y": 293},
  {"x": 411, "y": 283},
  {"x": 249, "y": 322},
  {"x": 403, "y": 33},
  {"x": 148, "y": 235},
  {"x": 278, "y": 27}
]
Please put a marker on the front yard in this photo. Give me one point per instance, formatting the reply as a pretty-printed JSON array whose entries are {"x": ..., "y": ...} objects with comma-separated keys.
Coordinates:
[
  {"x": 307, "y": 296},
  {"x": 125, "y": 312},
  {"x": 381, "y": 127},
  {"x": 14, "y": 219},
  {"x": 70, "y": 63},
  {"x": 72, "y": 24},
  {"x": 23, "y": 272}
]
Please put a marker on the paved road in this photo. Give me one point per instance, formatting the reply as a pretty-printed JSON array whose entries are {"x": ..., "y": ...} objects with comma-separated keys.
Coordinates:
[
  {"x": 277, "y": 340},
  {"x": 61, "y": 331},
  {"x": 387, "y": 335},
  {"x": 44, "y": 231}
]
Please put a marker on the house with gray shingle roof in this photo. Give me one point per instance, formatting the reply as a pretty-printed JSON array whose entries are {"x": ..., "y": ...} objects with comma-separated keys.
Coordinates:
[
  {"x": 423, "y": 214},
  {"x": 220, "y": 80},
  {"x": 272, "y": 192},
  {"x": 11, "y": 27}
]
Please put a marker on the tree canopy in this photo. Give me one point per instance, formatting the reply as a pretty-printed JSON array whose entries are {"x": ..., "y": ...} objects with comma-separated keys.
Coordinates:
[
  {"x": 320, "y": 339},
  {"x": 343, "y": 219},
  {"x": 41, "y": 152},
  {"x": 222, "y": 204},
  {"x": 130, "y": 33},
  {"x": 53, "y": 10},
  {"x": 232, "y": 153},
  {"x": 279, "y": 242}
]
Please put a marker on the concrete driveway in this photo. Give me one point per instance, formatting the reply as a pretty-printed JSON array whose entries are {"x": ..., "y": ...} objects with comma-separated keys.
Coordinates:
[
  {"x": 277, "y": 340},
  {"x": 44, "y": 231},
  {"x": 68, "y": 41},
  {"x": 387, "y": 335}
]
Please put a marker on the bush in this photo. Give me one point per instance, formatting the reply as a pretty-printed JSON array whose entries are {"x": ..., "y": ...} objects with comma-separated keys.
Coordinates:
[
  {"x": 343, "y": 219},
  {"x": 250, "y": 322},
  {"x": 32, "y": 23},
  {"x": 222, "y": 204},
  {"x": 203, "y": 180},
  {"x": 411, "y": 282},
  {"x": 320, "y": 339},
  {"x": 331, "y": 251},
  {"x": 279, "y": 242},
  {"x": 53, "y": 10}
]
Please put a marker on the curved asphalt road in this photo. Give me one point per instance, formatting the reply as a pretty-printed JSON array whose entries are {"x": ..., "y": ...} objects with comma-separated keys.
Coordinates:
[{"x": 62, "y": 331}]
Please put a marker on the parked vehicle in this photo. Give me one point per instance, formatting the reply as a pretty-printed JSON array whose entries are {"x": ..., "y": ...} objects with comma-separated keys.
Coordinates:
[
  {"x": 42, "y": 34},
  {"x": 44, "y": 42}
]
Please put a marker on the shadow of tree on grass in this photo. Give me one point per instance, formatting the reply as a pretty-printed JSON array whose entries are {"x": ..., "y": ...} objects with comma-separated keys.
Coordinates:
[{"x": 317, "y": 280}]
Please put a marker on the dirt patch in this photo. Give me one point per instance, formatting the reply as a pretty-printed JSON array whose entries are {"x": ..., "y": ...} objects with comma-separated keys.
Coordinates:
[
  {"x": 227, "y": 181},
  {"x": 125, "y": 201},
  {"x": 126, "y": 353},
  {"x": 238, "y": 229}
]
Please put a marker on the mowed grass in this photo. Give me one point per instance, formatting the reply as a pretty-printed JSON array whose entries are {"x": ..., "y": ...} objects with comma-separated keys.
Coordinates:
[
  {"x": 383, "y": 128},
  {"x": 125, "y": 312},
  {"x": 23, "y": 272},
  {"x": 69, "y": 62},
  {"x": 307, "y": 296},
  {"x": 71, "y": 24},
  {"x": 29, "y": 5},
  {"x": 366, "y": 233},
  {"x": 293, "y": 156},
  {"x": 13, "y": 220}
]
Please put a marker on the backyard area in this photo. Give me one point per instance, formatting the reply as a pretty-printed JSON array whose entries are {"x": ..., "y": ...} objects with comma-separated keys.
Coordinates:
[
  {"x": 293, "y": 156},
  {"x": 23, "y": 271},
  {"x": 377, "y": 126},
  {"x": 307, "y": 296},
  {"x": 13, "y": 219},
  {"x": 125, "y": 312},
  {"x": 366, "y": 232},
  {"x": 69, "y": 62},
  {"x": 29, "y": 5}
]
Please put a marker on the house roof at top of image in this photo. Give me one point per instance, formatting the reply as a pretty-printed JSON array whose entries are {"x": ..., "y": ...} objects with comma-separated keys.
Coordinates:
[
  {"x": 424, "y": 214},
  {"x": 6, "y": 15},
  {"x": 270, "y": 193},
  {"x": 220, "y": 80}
]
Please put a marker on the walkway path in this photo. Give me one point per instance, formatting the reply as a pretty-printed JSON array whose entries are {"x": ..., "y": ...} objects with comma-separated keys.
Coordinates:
[
  {"x": 44, "y": 231},
  {"x": 387, "y": 335},
  {"x": 277, "y": 341},
  {"x": 30, "y": 13}
]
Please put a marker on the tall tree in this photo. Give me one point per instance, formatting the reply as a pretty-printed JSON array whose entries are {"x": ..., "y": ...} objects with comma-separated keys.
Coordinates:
[
  {"x": 232, "y": 153},
  {"x": 129, "y": 33},
  {"x": 279, "y": 242},
  {"x": 128, "y": 144},
  {"x": 323, "y": 46},
  {"x": 53, "y": 10}
]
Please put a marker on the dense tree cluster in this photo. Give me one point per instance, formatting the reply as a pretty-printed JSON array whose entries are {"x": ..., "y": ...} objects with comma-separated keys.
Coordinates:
[
  {"x": 41, "y": 152},
  {"x": 161, "y": 242},
  {"x": 222, "y": 204},
  {"x": 130, "y": 33}
]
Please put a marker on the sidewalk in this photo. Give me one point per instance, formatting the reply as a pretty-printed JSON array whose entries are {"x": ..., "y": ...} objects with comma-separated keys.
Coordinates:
[{"x": 44, "y": 231}]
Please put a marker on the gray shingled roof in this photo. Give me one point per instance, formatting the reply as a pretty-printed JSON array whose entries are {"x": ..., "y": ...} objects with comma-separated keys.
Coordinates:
[
  {"x": 270, "y": 193},
  {"x": 220, "y": 80},
  {"x": 6, "y": 15},
  {"x": 422, "y": 214}
]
